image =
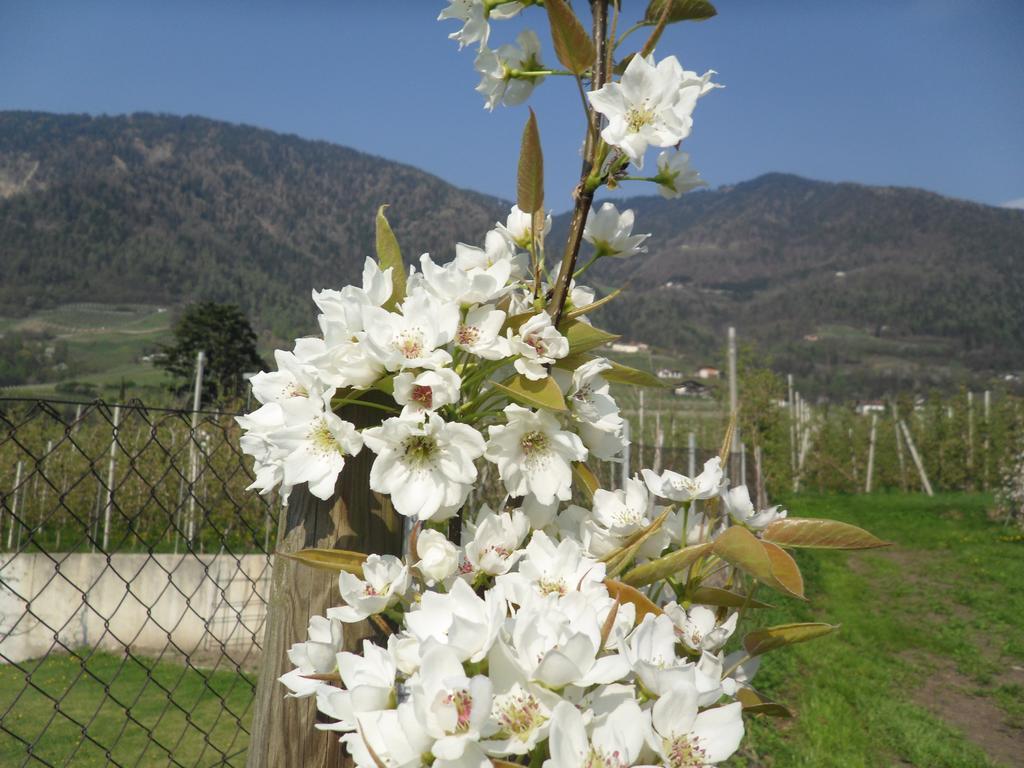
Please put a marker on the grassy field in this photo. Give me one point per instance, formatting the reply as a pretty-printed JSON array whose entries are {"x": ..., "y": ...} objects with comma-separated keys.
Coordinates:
[
  {"x": 928, "y": 668},
  {"x": 91, "y": 721}
]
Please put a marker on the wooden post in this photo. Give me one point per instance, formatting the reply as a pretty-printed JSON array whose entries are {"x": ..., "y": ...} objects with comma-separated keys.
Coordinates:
[
  {"x": 917, "y": 459},
  {"x": 970, "y": 439},
  {"x": 659, "y": 440},
  {"x": 111, "y": 467},
  {"x": 15, "y": 491},
  {"x": 193, "y": 459},
  {"x": 986, "y": 444},
  {"x": 355, "y": 518},
  {"x": 734, "y": 396},
  {"x": 899, "y": 448},
  {"x": 640, "y": 433},
  {"x": 792, "y": 423},
  {"x": 870, "y": 473},
  {"x": 691, "y": 449},
  {"x": 759, "y": 489}
]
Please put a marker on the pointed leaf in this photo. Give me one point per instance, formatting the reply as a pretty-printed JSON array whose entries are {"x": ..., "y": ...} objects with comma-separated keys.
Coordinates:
[
  {"x": 530, "y": 178},
  {"x": 665, "y": 566},
  {"x": 823, "y": 534},
  {"x": 336, "y": 560},
  {"x": 623, "y": 374},
  {"x": 543, "y": 393},
  {"x": 679, "y": 10},
  {"x": 784, "y": 569},
  {"x": 573, "y": 45},
  {"x": 583, "y": 337},
  {"x": 390, "y": 255},
  {"x": 769, "y": 638},
  {"x": 739, "y": 547},
  {"x": 585, "y": 477},
  {"x": 577, "y": 311},
  {"x": 754, "y": 703},
  {"x": 724, "y": 598},
  {"x": 627, "y": 594}
]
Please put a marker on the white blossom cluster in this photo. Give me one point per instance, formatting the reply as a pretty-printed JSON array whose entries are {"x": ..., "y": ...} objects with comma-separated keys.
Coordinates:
[
  {"x": 460, "y": 327},
  {"x": 512, "y": 645}
]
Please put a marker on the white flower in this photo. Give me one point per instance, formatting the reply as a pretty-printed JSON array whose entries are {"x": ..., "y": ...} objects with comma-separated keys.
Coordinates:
[
  {"x": 499, "y": 82},
  {"x": 293, "y": 378},
  {"x": 413, "y": 338},
  {"x": 342, "y": 311},
  {"x": 426, "y": 391},
  {"x": 258, "y": 442},
  {"x": 651, "y": 653},
  {"x": 615, "y": 743},
  {"x": 425, "y": 466},
  {"x": 652, "y": 104},
  {"x": 556, "y": 641},
  {"x": 474, "y": 14},
  {"x": 518, "y": 227},
  {"x": 339, "y": 360},
  {"x": 393, "y": 738},
  {"x": 534, "y": 455},
  {"x": 685, "y": 737},
  {"x": 496, "y": 249},
  {"x": 623, "y": 513},
  {"x": 476, "y": 285},
  {"x": 385, "y": 580},
  {"x": 737, "y": 503},
  {"x": 459, "y": 619},
  {"x": 452, "y": 707},
  {"x": 520, "y": 715},
  {"x": 538, "y": 343},
  {"x": 610, "y": 232},
  {"x": 540, "y": 515},
  {"x": 675, "y": 176},
  {"x": 589, "y": 397},
  {"x": 369, "y": 680},
  {"x": 496, "y": 540},
  {"x": 480, "y": 333},
  {"x": 671, "y": 485},
  {"x": 697, "y": 627},
  {"x": 439, "y": 558},
  {"x": 316, "y": 656},
  {"x": 316, "y": 442}
]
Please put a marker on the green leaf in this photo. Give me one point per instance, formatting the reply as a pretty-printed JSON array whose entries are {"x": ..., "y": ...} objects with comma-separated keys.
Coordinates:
[
  {"x": 739, "y": 547},
  {"x": 754, "y": 703},
  {"x": 769, "y": 638},
  {"x": 329, "y": 559},
  {"x": 665, "y": 566},
  {"x": 390, "y": 255},
  {"x": 573, "y": 45},
  {"x": 543, "y": 393},
  {"x": 623, "y": 374},
  {"x": 723, "y": 598},
  {"x": 627, "y": 594},
  {"x": 586, "y": 478},
  {"x": 679, "y": 10},
  {"x": 583, "y": 337},
  {"x": 530, "y": 178},
  {"x": 821, "y": 534}
]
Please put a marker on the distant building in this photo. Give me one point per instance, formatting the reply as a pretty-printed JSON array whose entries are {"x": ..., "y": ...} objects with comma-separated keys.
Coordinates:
[
  {"x": 811, "y": 337},
  {"x": 668, "y": 373},
  {"x": 629, "y": 347},
  {"x": 708, "y": 372}
]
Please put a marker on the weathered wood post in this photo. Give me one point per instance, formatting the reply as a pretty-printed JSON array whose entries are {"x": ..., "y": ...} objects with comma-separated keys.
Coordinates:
[
  {"x": 871, "y": 454},
  {"x": 355, "y": 518}
]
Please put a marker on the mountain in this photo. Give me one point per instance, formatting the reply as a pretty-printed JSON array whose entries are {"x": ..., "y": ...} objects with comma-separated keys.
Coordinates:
[
  {"x": 865, "y": 287},
  {"x": 823, "y": 273},
  {"x": 161, "y": 209}
]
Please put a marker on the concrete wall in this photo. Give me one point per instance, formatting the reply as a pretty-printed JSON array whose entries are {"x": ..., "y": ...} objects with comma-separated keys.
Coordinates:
[{"x": 202, "y": 605}]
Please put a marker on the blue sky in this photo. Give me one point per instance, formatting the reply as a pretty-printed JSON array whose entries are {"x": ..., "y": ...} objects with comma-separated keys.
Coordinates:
[{"x": 926, "y": 93}]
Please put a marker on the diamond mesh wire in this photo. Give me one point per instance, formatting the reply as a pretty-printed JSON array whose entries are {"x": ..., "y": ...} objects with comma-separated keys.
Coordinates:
[{"x": 134, "y": 576}]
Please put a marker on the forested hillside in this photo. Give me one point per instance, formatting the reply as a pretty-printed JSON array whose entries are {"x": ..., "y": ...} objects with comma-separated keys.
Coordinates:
[{"x": 833, "y": 280}]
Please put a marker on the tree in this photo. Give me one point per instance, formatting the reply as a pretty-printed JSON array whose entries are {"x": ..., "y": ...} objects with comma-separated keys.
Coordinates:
[{"x": 223, "y": 332}]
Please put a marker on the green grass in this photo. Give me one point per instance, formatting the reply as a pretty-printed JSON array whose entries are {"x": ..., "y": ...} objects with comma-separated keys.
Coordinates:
[
  {"x": 93, "y": 718},
  {"x": 931, "y": 632}
]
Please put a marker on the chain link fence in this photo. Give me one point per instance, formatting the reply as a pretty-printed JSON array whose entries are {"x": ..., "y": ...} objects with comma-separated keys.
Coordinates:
[{"x": 134, "y": 575}]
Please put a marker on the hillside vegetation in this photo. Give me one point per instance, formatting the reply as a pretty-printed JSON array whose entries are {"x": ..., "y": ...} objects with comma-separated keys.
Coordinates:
[{"x": 860, "y": 289}]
